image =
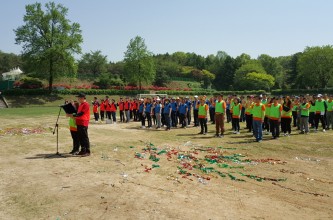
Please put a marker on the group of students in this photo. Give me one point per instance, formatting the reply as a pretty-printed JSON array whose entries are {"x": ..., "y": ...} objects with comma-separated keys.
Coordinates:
[{"x": 274, "y": 114}]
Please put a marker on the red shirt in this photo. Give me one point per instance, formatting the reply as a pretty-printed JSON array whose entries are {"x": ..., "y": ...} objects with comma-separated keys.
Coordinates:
[
  {"x": 127, "y": 105},
  {"x": 121, "y": 106},
  {"x": 83, "y": 119}
]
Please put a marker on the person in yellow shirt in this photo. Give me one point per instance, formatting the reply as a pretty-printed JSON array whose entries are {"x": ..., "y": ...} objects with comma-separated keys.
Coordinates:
[{"x": 202, "y": 115}]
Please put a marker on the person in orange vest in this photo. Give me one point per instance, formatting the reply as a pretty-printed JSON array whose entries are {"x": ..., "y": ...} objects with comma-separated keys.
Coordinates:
[
  {"x": 135, "y": 109},
  {"x": 127, "y": 108},
  {"x": 121, "y": 106},
  {"x": 82, "y": 121},
  {"x": 258, "y": 113},
  {"x": 95, "y": 104},
  {"x": 202, "y": 115},
  {"x": 102, "y": 109},
  {"x": 236, "y": 112},
  {"x": 275, "y": 110},
  {"x": 73, "y": 130}
]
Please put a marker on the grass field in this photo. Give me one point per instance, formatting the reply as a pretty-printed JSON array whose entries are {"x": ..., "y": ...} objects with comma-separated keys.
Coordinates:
[{"x": 289, "y": 178}]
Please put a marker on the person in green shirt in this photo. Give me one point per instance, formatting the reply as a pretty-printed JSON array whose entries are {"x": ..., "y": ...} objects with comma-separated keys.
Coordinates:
[
  {"x": 329, "y": 112},
  {"x": 305, "y": 112},
  {"x": 321, "y": 108}
]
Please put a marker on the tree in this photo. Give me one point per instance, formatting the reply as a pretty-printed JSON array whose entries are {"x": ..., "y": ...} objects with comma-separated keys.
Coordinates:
[
  {"x": 252, "y": 76},
  {"x": 49, "y": 40},
  {"x": 93, "y": 63},
  {"x": 225, "y": 75},
  {"x": 274, "y": 68},
  {"x": 139, "y": 64},
  {"x": 8, "y": 61},
  {"x": 315, "y": 66}
]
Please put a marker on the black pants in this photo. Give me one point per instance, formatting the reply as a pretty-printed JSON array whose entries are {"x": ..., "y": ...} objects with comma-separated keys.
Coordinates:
[
  {"x": 249, "y": 123},
  {"x": 294, "y": 118},
  {"x": 102, "y": 115},
  {"x": 229, "y": 115},
  {"x": 266, "y": 124},
  {"x": 235, "y": 124},
  {"x": 312, "y": 119},
  {"x": 286, "y": 125},
  {"x": 188, "y": 117},
  {"x": 108, "y": 115},
  {"x": 275, "y": 128},
  {"x": 143, "y": 119},
  {"x": 182, "y": 119},
  {"x": 76, "y": 141},
  {"x": 203, "y": 124},
  {"x": 242, "y": 118},
  {"x": 96, "y": 116},
  {"x": 322, "y": 120},
  {"x": 148, "y": 116},
  {"x": 167, "y": 120},
  {"x": 135, "y": 118},
  {"x": 195, "y": 115},
  {"x": 122, "y": 116},
  {"x": 212, "y": 115},
  {"x": 113, "y": 116},
  {"x": 131, "y": 114},
  {"x": 174, "y": 118},
  {"x": 82, "y": 132}
]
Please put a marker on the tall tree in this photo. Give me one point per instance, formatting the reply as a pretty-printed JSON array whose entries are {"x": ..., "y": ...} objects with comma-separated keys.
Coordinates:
[
  {"x": 49, "y": 39},
  {"x": 93, "y": 63},
  {"x": 139, "y": 63},
  {"x": 315, "y": 66}
]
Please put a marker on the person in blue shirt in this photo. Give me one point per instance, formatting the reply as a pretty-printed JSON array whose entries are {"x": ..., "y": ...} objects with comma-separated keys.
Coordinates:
[
  {"x": 157, "y": 112},
  {"x": 142, "y": 113},
  {"x": 148, "y": 112},
  {"x": 189, "y": 106},
  {"x": 183, "y": 109},
  {"x": 167, "y": 110},
  {"x": 195, "y": 104},
  {"x": 212, "y": 109},
  {"x": 174, "y": 113}
]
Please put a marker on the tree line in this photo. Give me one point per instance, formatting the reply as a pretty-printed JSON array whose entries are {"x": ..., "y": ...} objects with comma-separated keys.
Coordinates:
[{"x": 50, "y": 41}]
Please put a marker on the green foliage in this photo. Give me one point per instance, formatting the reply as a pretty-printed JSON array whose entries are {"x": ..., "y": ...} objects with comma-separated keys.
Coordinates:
[
  {"x": 105, "y": 81},
  {"x": 93, "y": 63},
  {"x": 315, "y": 67},
  {"x": 139, "y": 64},
  {"x": 30, "y": 83},
  {"x": 301, "y": 91},
  {"x": 9, "y": 61},
  {"x": 49, "y": 40}
]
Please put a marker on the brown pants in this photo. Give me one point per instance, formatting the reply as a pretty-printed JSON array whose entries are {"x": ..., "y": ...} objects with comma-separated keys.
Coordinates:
[{"x": 219, "y": 122}]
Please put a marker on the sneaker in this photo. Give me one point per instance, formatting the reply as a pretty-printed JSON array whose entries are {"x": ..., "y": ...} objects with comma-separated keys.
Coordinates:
[
  {"x": 235, "y": 132},
  {"x": 285, "y": 134},
  {"x": 75, "y": 153},
  {"x": 143, "y": 126},
  {"x": 200, "y": 133},
  {"x": 302, "y": 132},
  {"x": 204, "y": 133}
]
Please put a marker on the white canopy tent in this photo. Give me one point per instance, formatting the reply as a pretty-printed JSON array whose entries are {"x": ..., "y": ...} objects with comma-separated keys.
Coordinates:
[{"x": 12, "y": 74}]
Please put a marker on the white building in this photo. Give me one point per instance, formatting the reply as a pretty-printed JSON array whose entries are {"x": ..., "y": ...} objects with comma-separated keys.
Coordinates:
[{"x": 12, "y": 74}]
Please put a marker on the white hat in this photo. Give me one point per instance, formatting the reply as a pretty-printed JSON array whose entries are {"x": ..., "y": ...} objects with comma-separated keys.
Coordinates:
[
  {"x": 158, "y": 99},
  {"x": 320, "y": 95},
  {"x": 195, "y": 96}
]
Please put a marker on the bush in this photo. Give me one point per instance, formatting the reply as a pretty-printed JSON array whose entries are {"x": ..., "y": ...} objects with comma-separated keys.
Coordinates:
[
  {"x": 301, "y": 91},
  {"x": 29, "y": 83}
]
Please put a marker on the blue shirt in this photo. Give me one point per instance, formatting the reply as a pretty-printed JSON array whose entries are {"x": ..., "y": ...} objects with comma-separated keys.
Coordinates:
[
  {"x": 195, "y": 103},
  {"x": 167, "y": 108},
  {"x": 157, "y": 108},
  {"x": 182, "y": 109},
  {"x": 189, "y": 105},
  {"x": 148, "y": 107},
  {"x": 174, "y": 106},
  {"x": 141, "y": 108}
]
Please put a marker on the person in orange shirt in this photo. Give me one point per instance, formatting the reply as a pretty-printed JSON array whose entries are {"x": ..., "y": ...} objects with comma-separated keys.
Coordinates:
[
  {"x": 108, "y": 109},
  {"x": 258, "y": 114},
  {"x": 202, "y": 115}
]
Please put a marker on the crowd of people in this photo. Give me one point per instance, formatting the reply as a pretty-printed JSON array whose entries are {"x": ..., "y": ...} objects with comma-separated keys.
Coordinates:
[{"x": 261, "y": 114}]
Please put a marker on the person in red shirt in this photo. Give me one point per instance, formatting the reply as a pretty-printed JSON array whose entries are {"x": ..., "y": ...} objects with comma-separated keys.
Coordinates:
[
  {"x": 82, "y": 122},
  {"x": 102, "y": 109},
  {"x": 127, "y": 108},
  {"x": 95, "y": 104},
  {"x": 121, "y": 105}
]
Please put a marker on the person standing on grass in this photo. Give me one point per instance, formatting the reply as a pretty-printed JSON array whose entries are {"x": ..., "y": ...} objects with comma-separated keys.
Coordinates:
[
  {"x": 73, "y": 130},
  {"x": 102, "y": 109},
  {"x": 142, "y": 113},
  {"x": 113, "y": 110},
  {"x": 312, "y": 113},
  {"x": 183, "y": 109},
  {"x": 189, "y": 106},
  {"x": 127, "y": 108},
  {"x": 305, "y": 112},
  {"x": 236, "y": 112},
  {"x": 330, "y": 112},
  {"x": 157, "y": 112},
  {"x": 202, "y": 115},
  {"x": 248, "y": 113},
  {"x": 95, "y": 104},
  {"x": 167, "y": 110},
  {"x": 220, "y": 108},
  {"x": 258, "y": 113},
  {"x": 286, "y": 116},
  {"x": 108, "y": 109},
  {"x": 212, "y": 109},
  {"x": 275, "y": 117},
  {"x": 195, "y": 111},
  {"x": 121, "y": 105},
  {"x": 82, "y": 121},
  {"x": 294, "y": 112},
  {"x": 148, "y": 110},
  {"x": 321, "y": 108}
]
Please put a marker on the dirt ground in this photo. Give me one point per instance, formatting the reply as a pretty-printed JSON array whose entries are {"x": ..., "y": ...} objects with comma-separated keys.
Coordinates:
[{"x": 289, "y": 178}]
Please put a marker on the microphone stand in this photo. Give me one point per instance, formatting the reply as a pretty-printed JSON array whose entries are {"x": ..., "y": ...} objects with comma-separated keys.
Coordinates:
[{"x": 56, "y": 130}]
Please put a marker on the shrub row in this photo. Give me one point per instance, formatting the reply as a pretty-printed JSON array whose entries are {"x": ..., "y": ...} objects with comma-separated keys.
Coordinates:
[{"x": 301, "y": 91}]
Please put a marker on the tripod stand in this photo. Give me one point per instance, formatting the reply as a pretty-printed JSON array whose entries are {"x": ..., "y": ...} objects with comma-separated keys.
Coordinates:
[{"x": 56, "y": 130}]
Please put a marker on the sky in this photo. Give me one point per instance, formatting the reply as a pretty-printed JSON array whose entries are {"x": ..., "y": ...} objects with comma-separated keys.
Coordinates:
[{"x": 254, "y": 27}]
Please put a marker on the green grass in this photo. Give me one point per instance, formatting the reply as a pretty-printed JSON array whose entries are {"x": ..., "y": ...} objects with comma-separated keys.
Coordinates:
[{"x": 28, "y": 111}]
